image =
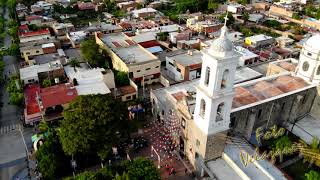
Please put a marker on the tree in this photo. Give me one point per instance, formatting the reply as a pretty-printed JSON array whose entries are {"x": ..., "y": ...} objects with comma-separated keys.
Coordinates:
[
  {"x": 46, "y": 83},
  {"x": 312, "y": 175},
  {"x": 281, "y": 144},
  {"x": 91, "y": 123},
  {"x": 245, "y": 17},
  {"x": 141, "y": 168},
  {"x": 230, "y": 18},
  {"x": 121, "y": 78},
  {"x": 311, "y": 153},
  {"x": 51, "y": 160},
  {"x": 74, "y": 63},
  {"x": 90, "y": 51},
  {"x": 14, "y": 49},
  {"x": 213, "y": 5}
]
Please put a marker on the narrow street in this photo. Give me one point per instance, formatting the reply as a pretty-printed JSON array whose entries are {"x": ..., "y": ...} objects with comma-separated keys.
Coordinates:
[{"x": 12, "y": 151}]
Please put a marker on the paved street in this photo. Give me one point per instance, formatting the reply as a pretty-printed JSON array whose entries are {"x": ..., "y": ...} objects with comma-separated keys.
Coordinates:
[{"x": 12, "y": 151}]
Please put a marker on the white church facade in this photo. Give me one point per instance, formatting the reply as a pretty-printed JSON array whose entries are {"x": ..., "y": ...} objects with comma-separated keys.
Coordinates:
[{"x": 214, "y": 108}]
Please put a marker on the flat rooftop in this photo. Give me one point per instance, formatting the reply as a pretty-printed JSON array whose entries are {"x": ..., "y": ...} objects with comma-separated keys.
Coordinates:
[
  {"x": 222, "y": 170},
  {"x": 46, "y": 58},
  {"x": 186, "y": 59},
  {"x": 262, "y": 169},
  {"x": 307, "y": 128},
  {"x": 126, "y": 49}
]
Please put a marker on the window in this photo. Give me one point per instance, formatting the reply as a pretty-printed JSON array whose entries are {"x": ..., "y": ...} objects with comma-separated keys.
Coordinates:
[
  {"x": 27, "y": 53},
  {"x": 128, "y": 97},
  {"x": 197, "y": 143},
  {"x": 37, "y": 51},
  {"x": 179, "y": 70},
  {"x": 318, "y": 71},
  {"x": 157, "y": 67},
  {"x": 148, "y": 69},
  {"x": 232, "y": 122},
  {"x": 130, "y": 74},
  {"x": 309, "y": 54},
  {"x": 138, "y": 70},
  {"x": 304, "y": 100},
  {"x": 220, "y": 109},
  {"x": 282, "y": 107},
  {"x": 305, "y": 66},
  {"x": 171, "y": 64},
  {"x": 224, "y": 79},
  {"x": 162, "y": 112},
  {"x": 183, "y": 123},
  {"x": 207, "y": 76},
  {"x": 202, "y": 107},
  {"x": 259, "y": 113},
  {"x": 134, "y": 96}
]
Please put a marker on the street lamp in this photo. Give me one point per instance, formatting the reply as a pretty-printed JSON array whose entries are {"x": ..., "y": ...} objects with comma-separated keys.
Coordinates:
[{"x": 155, "y": 151}]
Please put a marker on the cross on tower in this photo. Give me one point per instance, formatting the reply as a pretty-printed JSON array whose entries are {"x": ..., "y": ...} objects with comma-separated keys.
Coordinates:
[{"x": 226, "y": 19}]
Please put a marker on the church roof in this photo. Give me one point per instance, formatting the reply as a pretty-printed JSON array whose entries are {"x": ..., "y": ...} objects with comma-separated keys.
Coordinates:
[{"x": 263, "y": 89}]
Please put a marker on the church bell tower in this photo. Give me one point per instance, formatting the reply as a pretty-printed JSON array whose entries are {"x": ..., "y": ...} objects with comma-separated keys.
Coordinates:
[{"x": 214, "y": 96}]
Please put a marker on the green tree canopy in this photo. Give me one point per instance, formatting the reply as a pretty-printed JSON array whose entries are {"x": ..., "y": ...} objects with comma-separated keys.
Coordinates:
[
  {"x": 121, "y": 78},
  {"x": 91, "y": 123},
  {"x": 137, "y": 169},
  {"x": 230, "y": 18},
  {"x": 312, "y": 175},
  {"x": 281, "y": 144},
  {"x": 141, "y": 168},
  {"x": 50, "y": 157},
  {"x": 90, "y": 52}
]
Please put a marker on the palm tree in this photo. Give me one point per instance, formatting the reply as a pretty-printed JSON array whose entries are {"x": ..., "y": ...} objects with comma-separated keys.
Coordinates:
[
  {"x": 74, "y": 63},
  {"x": 310, "y": 153}
]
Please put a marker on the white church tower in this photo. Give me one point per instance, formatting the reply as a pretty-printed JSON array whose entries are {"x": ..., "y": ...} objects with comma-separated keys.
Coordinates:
[
  {"x": 214, "y": 96},
  {"x": 309, "y": 62}
]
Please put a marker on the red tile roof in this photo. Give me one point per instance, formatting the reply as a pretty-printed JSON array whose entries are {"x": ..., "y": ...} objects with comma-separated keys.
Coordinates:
[
  {"x": 289, "y": 83},
  {"x": 35, "y": 33},
  {"x": 243, "y": 97},
  {"x": 126, "y": 90},
  {"x": 149, "y": 44},
  {"x": 30, "y": 95},
  {"x": 86, "y": 5},
  {"x": 23, "y": 27},
  {"x": 179, "y": 95},
  {"x": 288, "y": 66},
  {"x": 57, "y": 95},
  {"x": 266, "y": 89},
  {"x": 33, "y": 17}
]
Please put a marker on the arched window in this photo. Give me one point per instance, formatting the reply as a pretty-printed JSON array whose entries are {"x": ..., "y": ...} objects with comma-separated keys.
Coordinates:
[
  {"x": 318, "y": 71},
  {"x": 224, "y": 79},
  {"x": 202, "y": 108},
  {"x": 220, "y": 110},
  {"x": 207, "y": 76}
]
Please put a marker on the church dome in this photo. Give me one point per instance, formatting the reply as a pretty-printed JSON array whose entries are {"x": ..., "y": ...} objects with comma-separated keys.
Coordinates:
[
  {"x": 221, "y": 46},
  {"x": 312, "y": 44}
]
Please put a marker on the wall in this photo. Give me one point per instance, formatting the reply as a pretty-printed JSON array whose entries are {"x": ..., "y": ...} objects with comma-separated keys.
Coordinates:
[
  {"x": 279, "y": 111},
  {"x": 49, "y": 50},
  {"x": 33, "y": 38},
  {"x": 31, "y": 52}
]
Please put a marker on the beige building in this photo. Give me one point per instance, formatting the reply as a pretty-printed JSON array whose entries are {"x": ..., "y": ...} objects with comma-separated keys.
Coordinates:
[{"x": 142, "y": 66}]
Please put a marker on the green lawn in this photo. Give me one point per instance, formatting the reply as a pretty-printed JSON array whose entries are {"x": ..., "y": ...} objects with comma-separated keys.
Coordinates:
[{"x": 297, "y": 170}]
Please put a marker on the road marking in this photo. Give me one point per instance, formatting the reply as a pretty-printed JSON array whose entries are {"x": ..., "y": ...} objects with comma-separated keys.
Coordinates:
[{"x": 8, "y": 128}]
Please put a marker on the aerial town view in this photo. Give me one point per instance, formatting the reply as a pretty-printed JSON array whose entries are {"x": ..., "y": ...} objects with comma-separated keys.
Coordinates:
[{"x": 159, "y": 90}]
